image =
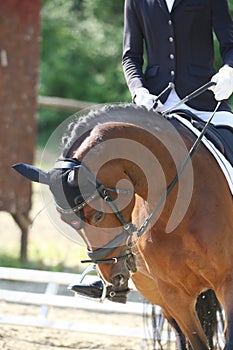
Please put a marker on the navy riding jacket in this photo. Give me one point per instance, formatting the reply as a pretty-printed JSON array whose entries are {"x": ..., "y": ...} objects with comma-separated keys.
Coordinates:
[{"x": 179, "y": 46}]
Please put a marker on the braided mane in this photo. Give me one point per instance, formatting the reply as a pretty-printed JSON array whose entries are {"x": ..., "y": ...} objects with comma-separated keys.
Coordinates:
[{"x": 127, "y": 113}]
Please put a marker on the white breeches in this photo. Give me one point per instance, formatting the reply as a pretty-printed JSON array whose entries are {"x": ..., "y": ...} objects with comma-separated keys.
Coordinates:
[{"x": 220, "y": 118}]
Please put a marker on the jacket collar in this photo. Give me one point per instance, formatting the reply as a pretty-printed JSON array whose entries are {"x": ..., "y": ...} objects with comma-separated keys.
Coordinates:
[
  {"x": 163, "y": 5},
  {"x": 176, "y": 3}
]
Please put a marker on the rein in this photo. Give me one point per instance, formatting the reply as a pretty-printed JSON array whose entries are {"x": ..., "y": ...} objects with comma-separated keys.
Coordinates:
[{"x": 143, "y": 227}]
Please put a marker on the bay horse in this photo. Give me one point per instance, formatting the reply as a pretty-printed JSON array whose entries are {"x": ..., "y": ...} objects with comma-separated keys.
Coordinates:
[{"x": 116, "y": 184}]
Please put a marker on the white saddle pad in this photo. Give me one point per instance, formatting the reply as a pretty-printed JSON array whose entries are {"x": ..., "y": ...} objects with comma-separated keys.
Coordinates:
[{"x": 222, "y": 161}]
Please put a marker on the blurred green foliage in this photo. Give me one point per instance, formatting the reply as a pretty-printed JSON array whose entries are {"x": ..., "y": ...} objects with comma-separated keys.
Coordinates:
[
  {"x": 81, "y": 50},
  {"x": 81, "y": 53}
]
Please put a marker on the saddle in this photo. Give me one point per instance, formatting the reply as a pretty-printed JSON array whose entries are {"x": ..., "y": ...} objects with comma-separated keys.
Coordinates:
[{"x": 221, "y": 135}]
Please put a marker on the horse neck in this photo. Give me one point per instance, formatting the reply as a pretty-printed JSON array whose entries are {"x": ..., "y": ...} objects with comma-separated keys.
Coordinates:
[{"x": 128, "y": 150}]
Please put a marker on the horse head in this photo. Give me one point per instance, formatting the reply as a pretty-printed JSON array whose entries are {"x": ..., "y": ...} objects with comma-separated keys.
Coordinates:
[{"x": 89, "y": 207}]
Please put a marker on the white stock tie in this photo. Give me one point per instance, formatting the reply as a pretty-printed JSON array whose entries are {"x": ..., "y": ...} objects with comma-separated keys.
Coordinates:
[{"x": 170, "y": 4}]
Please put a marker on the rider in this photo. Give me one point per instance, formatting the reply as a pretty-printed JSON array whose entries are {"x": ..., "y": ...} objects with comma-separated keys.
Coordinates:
[{"x": 178, "y": 37}]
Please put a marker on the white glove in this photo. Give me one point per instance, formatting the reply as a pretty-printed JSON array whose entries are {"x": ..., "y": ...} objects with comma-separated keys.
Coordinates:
[
  {"x": 224, "y": 83},
  {"x": 144, "y": 98}
]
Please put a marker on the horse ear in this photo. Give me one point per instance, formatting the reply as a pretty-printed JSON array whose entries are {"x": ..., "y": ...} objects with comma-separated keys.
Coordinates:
[{"x": 32, "y": 173}]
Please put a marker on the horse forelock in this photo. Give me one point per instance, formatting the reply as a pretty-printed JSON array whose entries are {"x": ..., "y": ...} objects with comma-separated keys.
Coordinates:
[{"x": 127, "y": 113}]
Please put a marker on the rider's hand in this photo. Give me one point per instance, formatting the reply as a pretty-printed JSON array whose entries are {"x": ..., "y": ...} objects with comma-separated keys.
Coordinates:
[
  {"x": 144, "y": 98},
  {"x": 224, "y": 83}
]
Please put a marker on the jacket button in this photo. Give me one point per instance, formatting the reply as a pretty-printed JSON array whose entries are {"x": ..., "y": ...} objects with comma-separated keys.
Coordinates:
[
  {"x": 170, "y": 22},
  {"x": 171, "y": 56},
  {"x": 171, "y": 39},
  {"x": 172, "y": 73}
]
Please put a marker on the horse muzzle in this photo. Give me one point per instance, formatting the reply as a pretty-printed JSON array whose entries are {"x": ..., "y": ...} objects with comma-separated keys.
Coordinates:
[{"x": 119, "y": 275}]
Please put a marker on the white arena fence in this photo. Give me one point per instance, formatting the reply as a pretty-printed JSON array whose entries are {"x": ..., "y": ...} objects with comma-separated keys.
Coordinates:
[{"x": 50, "y": 298}]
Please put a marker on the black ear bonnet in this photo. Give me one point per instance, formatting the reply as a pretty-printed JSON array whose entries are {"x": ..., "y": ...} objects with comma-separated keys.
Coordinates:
[{"x": 69, "y": 181}]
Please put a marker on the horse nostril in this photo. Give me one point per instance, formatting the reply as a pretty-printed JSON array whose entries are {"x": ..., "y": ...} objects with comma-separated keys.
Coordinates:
[{"x": 119, "y": 280}]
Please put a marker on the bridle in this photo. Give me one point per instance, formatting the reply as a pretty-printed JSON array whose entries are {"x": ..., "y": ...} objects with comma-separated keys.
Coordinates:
[{"x": 98, "y": 256}]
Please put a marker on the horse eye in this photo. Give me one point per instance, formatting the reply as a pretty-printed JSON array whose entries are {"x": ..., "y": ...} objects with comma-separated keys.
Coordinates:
[{"x": 97, "y": 217}]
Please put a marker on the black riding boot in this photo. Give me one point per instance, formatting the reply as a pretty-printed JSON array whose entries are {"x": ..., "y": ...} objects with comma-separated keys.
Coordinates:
[{"x": 95, "y": 290}]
